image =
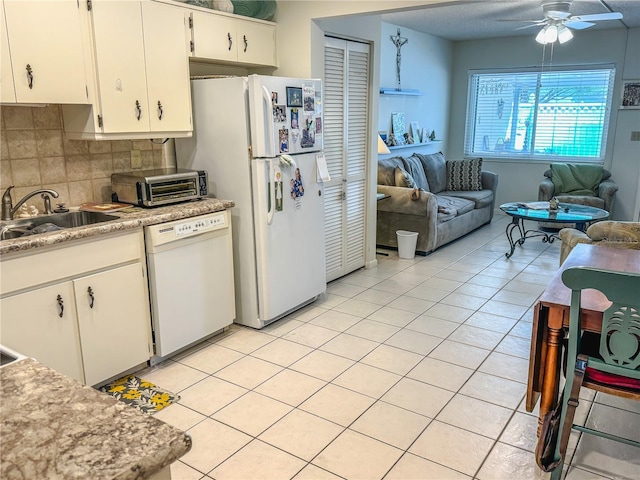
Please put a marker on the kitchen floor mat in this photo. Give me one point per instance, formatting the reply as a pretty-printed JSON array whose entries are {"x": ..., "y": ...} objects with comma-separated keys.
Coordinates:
[{"x": 140, "y": 394}]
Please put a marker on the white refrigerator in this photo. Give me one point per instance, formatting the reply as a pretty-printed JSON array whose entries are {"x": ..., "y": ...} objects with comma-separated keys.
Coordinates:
[{"x": 260, "y": 140}]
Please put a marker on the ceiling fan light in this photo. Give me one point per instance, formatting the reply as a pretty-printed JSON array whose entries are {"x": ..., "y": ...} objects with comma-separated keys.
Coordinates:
[
  {"x": 564, "y": 34},
  {"x": 541, "y": 37},
  {"x": 551, "y": 34}
]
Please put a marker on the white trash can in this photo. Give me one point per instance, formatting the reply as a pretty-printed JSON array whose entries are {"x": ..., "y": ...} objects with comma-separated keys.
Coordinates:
[{"x": 407, "y": 242}]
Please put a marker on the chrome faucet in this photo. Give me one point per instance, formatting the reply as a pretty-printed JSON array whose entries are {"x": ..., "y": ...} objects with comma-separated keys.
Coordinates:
[{"x": 8, "y": 210}]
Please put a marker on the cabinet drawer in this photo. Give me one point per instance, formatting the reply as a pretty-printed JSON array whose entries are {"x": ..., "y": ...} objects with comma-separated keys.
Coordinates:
[{"x": 26, "y": 270}]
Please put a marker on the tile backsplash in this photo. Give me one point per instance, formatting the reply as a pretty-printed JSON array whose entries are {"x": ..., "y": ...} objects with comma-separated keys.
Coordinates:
[{"x": 35, "y": 153}]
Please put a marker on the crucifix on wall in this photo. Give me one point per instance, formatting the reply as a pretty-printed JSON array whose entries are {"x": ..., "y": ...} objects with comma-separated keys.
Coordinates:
[{"x": 399, "y": 42}]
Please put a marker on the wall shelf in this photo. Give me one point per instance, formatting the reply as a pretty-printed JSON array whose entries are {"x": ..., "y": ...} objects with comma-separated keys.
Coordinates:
[
  {"x": 414, "y": 145},
  {"x": 393, "y": 91}
]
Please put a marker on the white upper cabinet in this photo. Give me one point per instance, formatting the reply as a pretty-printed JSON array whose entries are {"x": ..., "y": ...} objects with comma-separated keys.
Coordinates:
[
  {"x": 167, "y": 63},
  {"x": 141, "y": 68},
  {"x": 45, "y": 49},
  {"x": 120, "y": 66},
  {"x": 7, "y": 90},
  {"x": 226, "y": 39},
  {"x": 256, "y": 43}
]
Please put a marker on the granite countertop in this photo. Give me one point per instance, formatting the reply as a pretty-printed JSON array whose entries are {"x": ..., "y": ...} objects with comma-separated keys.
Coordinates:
[
  {"x": 54, "y": 427},
  {"x": 130, "y": 218}
]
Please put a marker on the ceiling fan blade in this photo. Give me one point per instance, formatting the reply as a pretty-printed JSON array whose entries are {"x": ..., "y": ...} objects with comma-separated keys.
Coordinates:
[
  {"x": 529, "y": 26},
  {"x": 595, "y": 17},
  {"x": 579, "y": 25},
  {"x": 519, "y": 20}
]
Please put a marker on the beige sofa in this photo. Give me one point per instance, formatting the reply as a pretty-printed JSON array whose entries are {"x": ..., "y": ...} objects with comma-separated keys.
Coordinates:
[
  {"x": 440, "y": 200},
  {"x": 608, "y": 233}
]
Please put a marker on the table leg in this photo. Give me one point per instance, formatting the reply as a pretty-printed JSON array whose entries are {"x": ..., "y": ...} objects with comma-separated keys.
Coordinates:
[
  {"x": 515, "y": 223},
  {"x": 551, "y": 379}
]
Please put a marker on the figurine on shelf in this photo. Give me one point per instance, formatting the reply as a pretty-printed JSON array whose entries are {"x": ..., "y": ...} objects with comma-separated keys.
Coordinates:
[
  {"x": 408, "y": 139},
  {"x": 391, "y": 140},
  {"x": 432, "y": 135}
]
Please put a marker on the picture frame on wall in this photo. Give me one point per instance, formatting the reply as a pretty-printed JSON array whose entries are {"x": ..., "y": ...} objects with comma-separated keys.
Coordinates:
[
  {"x": 294, "y": 97},
  {"x": 383, "y": 135},
  {"x": 630, "y": 94},
  {"x": 398, "y": 127}
]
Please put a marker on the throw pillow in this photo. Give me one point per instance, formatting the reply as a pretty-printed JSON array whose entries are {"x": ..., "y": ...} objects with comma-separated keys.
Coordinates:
[
  {"x": 464, "y": 175},
  {"x": 404, "y": 179}
]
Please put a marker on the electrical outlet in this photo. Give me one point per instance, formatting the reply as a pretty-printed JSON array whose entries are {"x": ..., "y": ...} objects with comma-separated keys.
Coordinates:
[
  {"x": 136, "y": 159},
  {"x": 635, "y": 136}
]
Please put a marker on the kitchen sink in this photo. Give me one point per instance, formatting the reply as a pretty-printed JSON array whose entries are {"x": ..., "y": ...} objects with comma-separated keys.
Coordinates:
[
  {"x": 8, "y": 356},
  {"x": 46, "y": 223}
]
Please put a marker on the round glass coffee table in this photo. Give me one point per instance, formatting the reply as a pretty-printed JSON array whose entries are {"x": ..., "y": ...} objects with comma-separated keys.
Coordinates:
[{"x": 580, "y": 215}]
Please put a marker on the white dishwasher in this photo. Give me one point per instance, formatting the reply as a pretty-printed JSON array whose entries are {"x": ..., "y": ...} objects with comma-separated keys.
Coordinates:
[{"x": 190, "y": 265}]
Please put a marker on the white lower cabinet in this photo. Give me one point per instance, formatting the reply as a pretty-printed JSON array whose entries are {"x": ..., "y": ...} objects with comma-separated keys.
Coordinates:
[
  {"x": 43, "y": 324},
  {"x": 110, "y": 307},
  {"x": 91, "y": 325}
]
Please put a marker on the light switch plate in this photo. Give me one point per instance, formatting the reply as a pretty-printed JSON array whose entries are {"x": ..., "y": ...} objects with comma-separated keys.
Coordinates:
[{"x": 136, "y": 159}]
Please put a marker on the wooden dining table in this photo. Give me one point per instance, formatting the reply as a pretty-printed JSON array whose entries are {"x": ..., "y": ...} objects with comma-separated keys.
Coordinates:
[{"x": 551, "y": 317}]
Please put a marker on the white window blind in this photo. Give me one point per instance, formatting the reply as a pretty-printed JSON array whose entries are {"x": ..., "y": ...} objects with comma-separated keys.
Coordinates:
[{"x": 539, "y": 115}]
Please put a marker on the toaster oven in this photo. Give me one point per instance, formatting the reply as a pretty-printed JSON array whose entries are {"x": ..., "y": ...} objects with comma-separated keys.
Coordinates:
[{"x": 163, "y": 186}]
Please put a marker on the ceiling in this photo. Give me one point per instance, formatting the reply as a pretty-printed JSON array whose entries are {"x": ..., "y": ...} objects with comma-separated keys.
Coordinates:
[{"x": 476, "y": 19}]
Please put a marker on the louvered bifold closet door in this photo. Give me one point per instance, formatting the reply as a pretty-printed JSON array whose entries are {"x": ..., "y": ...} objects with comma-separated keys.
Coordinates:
[{"x": 346, "y": 94}]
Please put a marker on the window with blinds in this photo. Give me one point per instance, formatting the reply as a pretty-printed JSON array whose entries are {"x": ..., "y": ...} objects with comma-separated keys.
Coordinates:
[{"x": 559, "y": 114}]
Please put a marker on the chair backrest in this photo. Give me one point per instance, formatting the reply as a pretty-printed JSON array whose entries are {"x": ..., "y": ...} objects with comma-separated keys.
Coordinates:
[{"x": 620, "y": 335}]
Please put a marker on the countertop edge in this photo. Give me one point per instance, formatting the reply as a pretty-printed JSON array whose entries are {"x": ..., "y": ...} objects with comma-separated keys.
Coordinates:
[{"x": 129, "y": 219}]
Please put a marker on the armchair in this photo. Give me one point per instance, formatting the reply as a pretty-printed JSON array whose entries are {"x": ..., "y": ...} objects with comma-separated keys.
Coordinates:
[
  {"x": 585, "y": 188},
  {"x": 608, "y": 233}
]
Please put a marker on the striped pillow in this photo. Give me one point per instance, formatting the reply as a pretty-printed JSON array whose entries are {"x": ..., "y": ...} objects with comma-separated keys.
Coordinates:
[
  {"x": 464, "y": 175},
  {"x": 404, "y": 178}
]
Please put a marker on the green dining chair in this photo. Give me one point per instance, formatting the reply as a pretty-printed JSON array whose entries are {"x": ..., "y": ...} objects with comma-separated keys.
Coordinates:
[{"x": 613, "y": 365}]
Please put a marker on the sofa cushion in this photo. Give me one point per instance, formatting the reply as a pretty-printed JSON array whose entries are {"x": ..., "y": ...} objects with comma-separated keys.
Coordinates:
[
  {"x": 404, "y": 178},
  {"x": 414, "y": 167},
  {"x": 387, "y": 170},
  {"x": 454, "y": 204},
  {"x": 435, "y": 168},
  {"x": 596, "y": 202},
  {"x": 464, "y": 175},
  {"x": 482, "y": 198}
]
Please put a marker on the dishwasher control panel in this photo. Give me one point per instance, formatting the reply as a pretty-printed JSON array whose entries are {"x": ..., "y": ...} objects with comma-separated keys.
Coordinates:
[
  {"x": 164, "y": 233},
  {"x": 199, "y": 225}
]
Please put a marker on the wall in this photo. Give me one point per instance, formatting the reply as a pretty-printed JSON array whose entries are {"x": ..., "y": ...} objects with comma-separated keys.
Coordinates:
[
  {"x": 35, "y": 154},
  {"x": 426, "y": 66},
  {"x": 519, "y": 180}
]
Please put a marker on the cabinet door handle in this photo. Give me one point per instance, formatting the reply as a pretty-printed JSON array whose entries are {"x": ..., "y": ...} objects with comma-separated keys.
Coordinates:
[
  {"x": 138, "y": 110},
  {"x": 246, "y": 44},
  {"x": 29, "y": 76},
  {"x": 230, "y": 40},
  {"x": 60, "y": 305},
  {"x": 160, "y": 110},
  {"x": 90, "y": 292}
]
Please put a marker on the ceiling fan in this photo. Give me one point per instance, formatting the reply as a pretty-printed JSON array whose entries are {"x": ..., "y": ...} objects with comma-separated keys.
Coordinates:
[{"x": 558, "y": 21}]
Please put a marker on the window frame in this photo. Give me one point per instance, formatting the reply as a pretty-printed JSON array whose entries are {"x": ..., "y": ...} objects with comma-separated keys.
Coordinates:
[{"x": 532, "y": 157}]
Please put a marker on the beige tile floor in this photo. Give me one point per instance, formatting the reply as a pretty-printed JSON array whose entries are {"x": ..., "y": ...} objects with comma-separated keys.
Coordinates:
[{"x": 415, "y": 369}]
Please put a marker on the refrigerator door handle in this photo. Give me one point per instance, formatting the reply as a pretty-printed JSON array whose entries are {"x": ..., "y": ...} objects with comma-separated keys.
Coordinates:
[
  {"x": 269, "y": 141},
  {"x": 272, "y": 190}
]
